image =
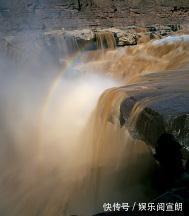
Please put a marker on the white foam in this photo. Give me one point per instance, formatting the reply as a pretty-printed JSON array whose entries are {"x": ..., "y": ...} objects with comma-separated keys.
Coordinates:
[{"x": 171, "y": 39}]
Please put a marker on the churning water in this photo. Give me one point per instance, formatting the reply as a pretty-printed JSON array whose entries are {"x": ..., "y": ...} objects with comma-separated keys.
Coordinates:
[{"x": 62, "y": 150}]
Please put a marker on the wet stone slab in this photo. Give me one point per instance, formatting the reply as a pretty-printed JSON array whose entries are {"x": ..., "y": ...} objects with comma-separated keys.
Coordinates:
[{"x": 161, "y": 107}]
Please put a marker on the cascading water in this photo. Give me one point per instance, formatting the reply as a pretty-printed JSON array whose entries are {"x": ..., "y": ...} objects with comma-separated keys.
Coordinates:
[
  {"x": 63, "y": 151},
  {"x": 105, "y": 39}
]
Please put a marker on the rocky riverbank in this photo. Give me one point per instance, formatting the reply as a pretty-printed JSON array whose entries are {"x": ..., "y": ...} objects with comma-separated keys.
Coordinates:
[{"x": 64, "y": 42}]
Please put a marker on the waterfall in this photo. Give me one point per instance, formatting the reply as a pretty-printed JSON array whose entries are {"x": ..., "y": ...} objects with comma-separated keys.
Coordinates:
[
  {"x": 21, "y": 48},
  {"x": 105, "y": 39},
  {"x": 58, "y": 45},
  {"x": 113, "y": 158},
  {"x": 63, "y": 150}
]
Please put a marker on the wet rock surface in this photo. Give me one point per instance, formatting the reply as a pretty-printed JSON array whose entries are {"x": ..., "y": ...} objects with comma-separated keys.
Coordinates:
[
  {"x": 158, "y": 105},
  {"x": 123, "y": 37}
]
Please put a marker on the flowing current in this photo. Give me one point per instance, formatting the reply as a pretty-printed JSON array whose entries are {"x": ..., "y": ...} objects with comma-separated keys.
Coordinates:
[{"x": 62, "y": 150}]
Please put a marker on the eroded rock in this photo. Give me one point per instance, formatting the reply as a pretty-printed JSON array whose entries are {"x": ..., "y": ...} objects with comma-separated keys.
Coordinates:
[
  {"x": 124, "y": 38},
  {"x": 161, "y": 107},
  {"x": 84, "y": 34}
]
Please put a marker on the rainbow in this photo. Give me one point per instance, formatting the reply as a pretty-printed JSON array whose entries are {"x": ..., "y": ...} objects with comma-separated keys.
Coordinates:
[{"x": 70, "y": 61}]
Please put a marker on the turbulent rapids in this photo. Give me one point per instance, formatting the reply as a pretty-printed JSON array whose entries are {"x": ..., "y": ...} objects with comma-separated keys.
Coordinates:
[{"x": 64, "y": 150}]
